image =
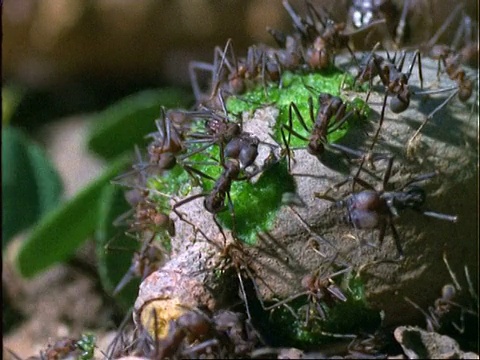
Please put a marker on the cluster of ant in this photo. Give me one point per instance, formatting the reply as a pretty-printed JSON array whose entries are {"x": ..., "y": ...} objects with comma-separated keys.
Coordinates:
[
  {"x": 182, "y": 136},
  {"x": 225, "y": 334}
]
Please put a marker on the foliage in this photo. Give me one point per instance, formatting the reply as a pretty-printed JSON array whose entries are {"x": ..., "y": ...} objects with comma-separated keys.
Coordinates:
[{"x": 31, "y": 187}]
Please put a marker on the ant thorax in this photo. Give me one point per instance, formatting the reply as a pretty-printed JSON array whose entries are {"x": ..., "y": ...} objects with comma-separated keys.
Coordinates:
[{"x": 267, "y": 150}]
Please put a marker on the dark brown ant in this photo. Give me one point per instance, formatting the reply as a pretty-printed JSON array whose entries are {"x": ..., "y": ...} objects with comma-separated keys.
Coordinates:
[
  {"x": 196, "y": 332},
  {"x": 469, "y": 51},
  {"x": 166, "y": 144},
  {"x": 446, "y": 309},
  {"x": 331, "y": 115},
  {"x": 145, "y": 215},
  {"x": 238, "y": 150},
  {"x": 451, "y": 60},
  {"x": 289, "y": 56},
  {"x": 321, "y": 291},
  {"x": 219, "y": 130},
  {"x": 391, "y": 76},
  {"x": 215, "y": 201},
  {"x": 322, "y": 37},
  {"x": 394, "y": 80},
  {"x": 372, "y": 209},
  {"x": 232, "y": 75},
  {"x": 62, "y": 349},
  {"x": 329, "y": 107},
  {"x": 144, "y": 262}
]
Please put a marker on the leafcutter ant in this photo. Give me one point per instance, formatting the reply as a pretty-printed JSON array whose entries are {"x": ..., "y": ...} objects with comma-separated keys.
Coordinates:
[
  {"x": 451, "y": 60},
  {"x": 321, "y": 293},
  {"x": 321, "y": 37},
  {"x": 449, "y": 307},
  {"x": 331, "y": 116},
  {"x": 394, "y": 80},
  {"x": 372, "y": 209}
]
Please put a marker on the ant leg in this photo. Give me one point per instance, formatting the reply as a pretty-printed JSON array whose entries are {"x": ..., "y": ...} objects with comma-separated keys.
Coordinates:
[
  {"x": 182, "y": 217},
  {"x": 382, "y": 116},
  {"x": 310, "y": 231},
  {"x": 444, "y": 26},
  {"x": 244, "y": 295},
  {"x": 382, "y": 231},
  {"x": 400, "y": 253},
  {"x": 417, "y": 57},
  {"x": 192, "y": 66},
  {"x": 287, "y": 148},
  {"x": 431, "y": 322},
  {"x": 402, "y": 60},
  {"x": 299, "y": 116},
  {"x": 452, "y": 274},
  {"x": 365, "y": 69},
  {"x": 399, "y": 31},
  {"x": 429, "y": 116},
  {"x": 297, "y": 20},
  {"x": 388, "y": 172},
  {"x": 293, "y": 132},
  {"x": 232, "y": 213},
  {"x": 471, "y": 290},
  {"x": 220, "y": 228}
]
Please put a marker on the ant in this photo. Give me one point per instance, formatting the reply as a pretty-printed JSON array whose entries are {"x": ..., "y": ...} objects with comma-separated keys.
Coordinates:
[
  {"x": 196, "y": 331},
  {"x": 451, "y": 60},
  {"x": 146, "y": 215},
  {"x": 321, "y": 291},
  {"x": 329, "y": 107},
  {"x": 446, "y": 307},
  {"x": 219, "y": 130},
  {"x": 238, "y": 150},
  {"x": 214, "y": 202},
  {"x": 331, "y": 116},
  {"x": 321, "y": 44},
  {"x": 394, "y": 80},
  {"x": 144, "y": 263},
  {"x": 166, "y": 144},
  {"x": 289, "y": 56},
  {"x": 372, "y": 209},
  {"x": 65, "y": 348},
  {"x": 234, "y": 75}
]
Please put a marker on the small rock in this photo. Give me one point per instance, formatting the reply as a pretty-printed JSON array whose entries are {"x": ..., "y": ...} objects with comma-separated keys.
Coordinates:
[{"x": 421, "y": 344}]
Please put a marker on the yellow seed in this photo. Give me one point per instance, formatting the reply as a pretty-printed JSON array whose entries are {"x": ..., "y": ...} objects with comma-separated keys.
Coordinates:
[{"x": 156, "y": 316}]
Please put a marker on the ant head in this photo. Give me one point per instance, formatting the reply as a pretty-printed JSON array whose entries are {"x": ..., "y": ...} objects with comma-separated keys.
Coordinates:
[
  {"x": 315, "y": 148},
  {"x": 399, "y": 104},
  {"x": 215, "y": 202},
  {"x": 412, "y": 197}
]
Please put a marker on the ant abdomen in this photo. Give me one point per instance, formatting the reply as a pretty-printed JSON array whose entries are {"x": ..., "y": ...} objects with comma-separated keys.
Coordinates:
[
  {"x": 365, "y": 209},
  {"x": 398, "y": 104},
  {"x": 364, "y": 219},
  {"x": 465, "y": 90}
]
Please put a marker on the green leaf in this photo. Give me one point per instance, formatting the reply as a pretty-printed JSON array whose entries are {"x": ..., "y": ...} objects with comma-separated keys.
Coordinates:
[
  {"x": 114, "y": 249},
  {"x": 31, "y": 186},
  {"x": 62, "y": 231},
  {"x": 119, "y": 127},
  {"x": 11, "y": 97}
]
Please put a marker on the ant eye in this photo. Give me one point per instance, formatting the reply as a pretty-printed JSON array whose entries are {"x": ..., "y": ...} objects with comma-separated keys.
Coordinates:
[{"x": 398, "y": 105}]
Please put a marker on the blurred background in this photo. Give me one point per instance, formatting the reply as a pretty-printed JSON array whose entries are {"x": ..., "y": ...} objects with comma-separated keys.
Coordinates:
[{"x": 70, "y": 59}]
